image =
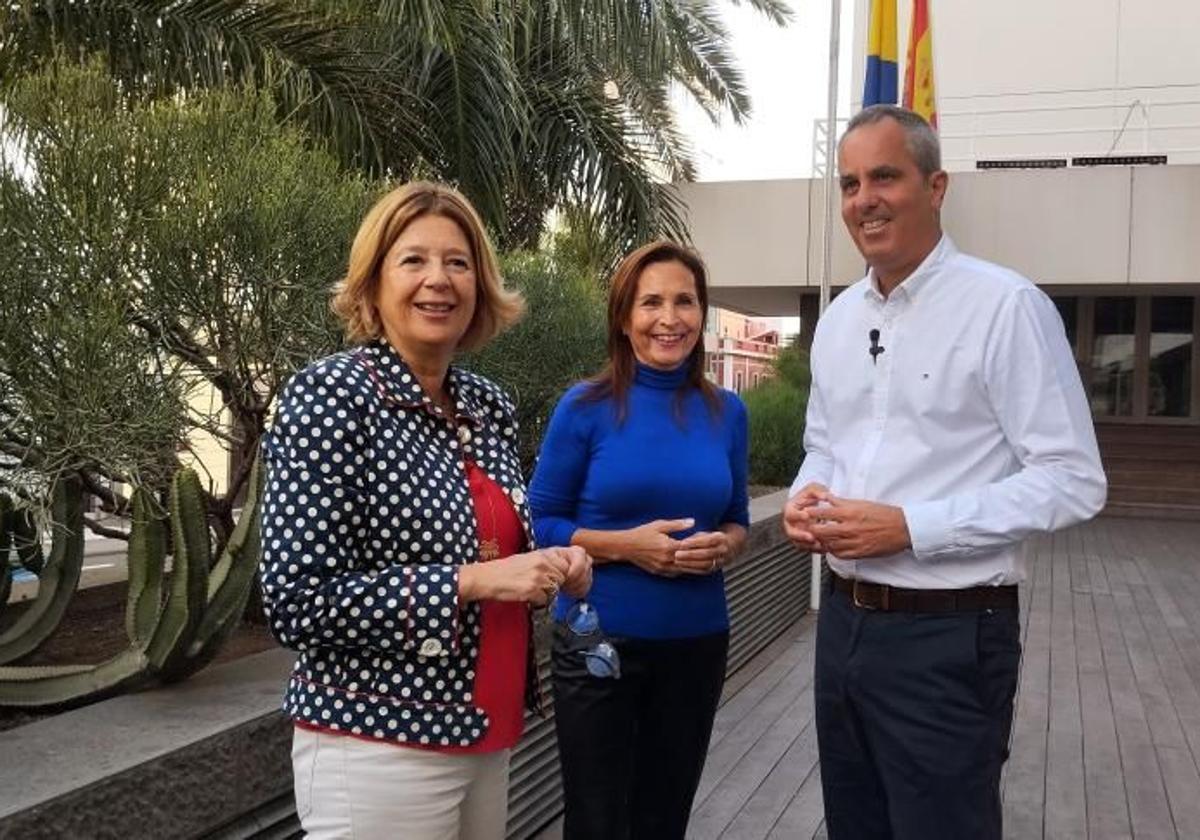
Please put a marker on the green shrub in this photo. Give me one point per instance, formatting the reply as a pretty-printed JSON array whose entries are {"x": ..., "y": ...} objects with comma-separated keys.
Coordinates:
[
  {"x": 560, "y": 341},
  {"x": 791, "y": 366},
  {"x": 776, "y": 412},
  {"x": 776, "y": 409}
]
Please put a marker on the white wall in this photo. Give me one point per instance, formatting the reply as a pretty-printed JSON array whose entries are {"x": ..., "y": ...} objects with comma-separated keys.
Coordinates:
[
  {"x": 1042, "y": 78},
  {"x": 1165, "y": 246},
  {"x": 1108, "y": 226}
]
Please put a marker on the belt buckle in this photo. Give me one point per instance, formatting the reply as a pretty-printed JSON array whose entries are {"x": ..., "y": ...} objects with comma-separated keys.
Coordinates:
[{"x": 864, "y": 606}]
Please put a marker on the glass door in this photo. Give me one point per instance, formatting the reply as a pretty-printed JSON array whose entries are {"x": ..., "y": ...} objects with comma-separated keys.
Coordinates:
[
  {"x": 1137, "y": 355},
  {"x": 1171, "y": 351},
  {"x": 1113, "y": 357}
]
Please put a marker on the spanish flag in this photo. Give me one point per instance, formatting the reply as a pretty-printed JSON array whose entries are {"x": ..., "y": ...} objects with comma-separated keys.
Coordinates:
[
  {"x": 919, "y": 93},
  {"x": 880, "y": 84}
]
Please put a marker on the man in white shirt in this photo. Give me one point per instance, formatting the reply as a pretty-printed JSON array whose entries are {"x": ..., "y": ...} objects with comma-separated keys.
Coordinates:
[{"x": 946, "y": 423}]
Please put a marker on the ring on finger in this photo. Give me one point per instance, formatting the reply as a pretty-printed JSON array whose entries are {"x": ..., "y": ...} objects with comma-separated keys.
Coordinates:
[{"x": 714, "y": 566}]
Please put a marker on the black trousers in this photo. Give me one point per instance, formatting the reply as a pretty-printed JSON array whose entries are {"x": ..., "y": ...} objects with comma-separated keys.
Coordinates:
[
  {"x": 913, "y": 716},
  {"x": 633, "y": 748}
]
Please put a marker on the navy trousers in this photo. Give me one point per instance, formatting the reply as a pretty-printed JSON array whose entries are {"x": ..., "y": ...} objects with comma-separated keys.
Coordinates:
[{"x": 913, "y": 717}]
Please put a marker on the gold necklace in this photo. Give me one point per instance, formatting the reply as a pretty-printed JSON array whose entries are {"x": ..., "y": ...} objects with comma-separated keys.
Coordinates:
[{"x": 489, "y": 549}]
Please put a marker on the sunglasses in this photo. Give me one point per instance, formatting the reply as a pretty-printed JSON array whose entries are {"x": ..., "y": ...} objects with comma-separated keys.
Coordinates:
[{"x": 601, "y": 657}]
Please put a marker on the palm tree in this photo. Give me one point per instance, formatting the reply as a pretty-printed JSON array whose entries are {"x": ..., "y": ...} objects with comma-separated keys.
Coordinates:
[{"x": 525, "y": 104}]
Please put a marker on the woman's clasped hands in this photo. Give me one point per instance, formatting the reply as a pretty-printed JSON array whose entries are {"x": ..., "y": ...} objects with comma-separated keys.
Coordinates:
[
  {"x": 534, "y": 576},
  {"x": 652, "y": 548}
]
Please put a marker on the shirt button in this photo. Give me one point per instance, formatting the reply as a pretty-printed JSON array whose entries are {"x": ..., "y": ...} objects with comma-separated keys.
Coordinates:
[
  {"x": 431, "y": 647},
  {"x": 518, "y": 495}
]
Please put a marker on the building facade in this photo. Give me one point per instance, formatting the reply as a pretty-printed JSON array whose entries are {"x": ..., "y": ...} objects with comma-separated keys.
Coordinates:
[
  {"x": 739, "y": 350},
  {"x": 1072, "y": 134}
]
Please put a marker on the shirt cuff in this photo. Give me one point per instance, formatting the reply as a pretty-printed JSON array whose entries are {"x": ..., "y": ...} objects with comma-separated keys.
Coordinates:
[
  {"x": 432, "y": 610},
  {"x": 929, "y": 529}
]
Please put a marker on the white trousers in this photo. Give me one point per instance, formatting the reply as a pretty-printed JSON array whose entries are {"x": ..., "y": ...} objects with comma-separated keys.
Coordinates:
[{"x": 353, "y": 788}]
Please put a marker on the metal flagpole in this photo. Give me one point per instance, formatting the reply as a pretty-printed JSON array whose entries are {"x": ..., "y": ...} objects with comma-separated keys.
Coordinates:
[{"x": 835, "y": 33}]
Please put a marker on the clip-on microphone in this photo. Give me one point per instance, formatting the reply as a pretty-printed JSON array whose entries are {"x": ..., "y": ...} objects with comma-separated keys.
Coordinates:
[{"x": 876, "y": 347}]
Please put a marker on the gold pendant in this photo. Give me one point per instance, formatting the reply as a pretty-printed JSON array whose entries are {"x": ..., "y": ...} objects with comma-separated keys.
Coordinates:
[{"x": 489, "y": 549}]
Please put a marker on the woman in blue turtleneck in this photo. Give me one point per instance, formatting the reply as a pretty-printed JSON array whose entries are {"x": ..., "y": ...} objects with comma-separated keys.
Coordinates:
[{"x": 644, "y": 466}]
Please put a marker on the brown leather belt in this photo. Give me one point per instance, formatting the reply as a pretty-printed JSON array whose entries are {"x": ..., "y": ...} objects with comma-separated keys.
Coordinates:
[{"x": 878, "y": 596}]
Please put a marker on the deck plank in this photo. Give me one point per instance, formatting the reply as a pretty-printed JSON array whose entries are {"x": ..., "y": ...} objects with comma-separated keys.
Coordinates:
[
  {"x": 1106, "y": 735},
  {"x": 1024, "y": 788},
  {"x": 1066, "y": 800},
  {"x": 780, "y": 791},
  {"x": 1107, "y": 806},
  {"x": 746, "y": 733},
  {"x": 1106, "y": 731},
  {"x": 738, "y": 786}
]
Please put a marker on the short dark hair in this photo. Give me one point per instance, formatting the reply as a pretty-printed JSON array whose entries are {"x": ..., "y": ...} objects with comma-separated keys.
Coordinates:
[{"x": 922, "y": 141}]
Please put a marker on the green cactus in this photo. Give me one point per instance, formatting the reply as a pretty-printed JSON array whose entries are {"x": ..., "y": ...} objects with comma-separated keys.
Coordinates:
[
  {"x": 189, "y": 576},
  {"x": 146, "y": 556},
  {"x": 172, "y": 641},
  {"x": 232, "y": 579},
  {"x": 57, "y": 579},
  {"x": 71, "y": 685}
]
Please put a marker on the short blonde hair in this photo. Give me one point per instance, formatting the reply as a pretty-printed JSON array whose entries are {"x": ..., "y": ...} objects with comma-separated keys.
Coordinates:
[{"x": 354, "y": 296}]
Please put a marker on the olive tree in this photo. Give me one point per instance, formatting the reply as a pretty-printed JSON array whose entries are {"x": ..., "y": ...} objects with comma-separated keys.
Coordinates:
[{"x": 165, "y": 265}]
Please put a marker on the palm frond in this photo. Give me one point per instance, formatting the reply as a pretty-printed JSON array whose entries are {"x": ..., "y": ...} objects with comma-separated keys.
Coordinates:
[
  {"x": 591, "y": 157},
  {"x": 311, "y": 61}
]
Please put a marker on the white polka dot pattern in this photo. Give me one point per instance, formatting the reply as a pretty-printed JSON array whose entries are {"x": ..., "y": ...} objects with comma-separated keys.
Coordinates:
[{"x": 367, "y": 518}]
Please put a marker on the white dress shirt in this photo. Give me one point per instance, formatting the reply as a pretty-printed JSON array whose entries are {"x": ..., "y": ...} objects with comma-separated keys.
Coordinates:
[{"x": 973, "y": 420}]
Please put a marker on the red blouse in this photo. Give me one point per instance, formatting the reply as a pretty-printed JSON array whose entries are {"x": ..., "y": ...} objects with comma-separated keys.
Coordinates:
[{"x": 504, "y": 637}]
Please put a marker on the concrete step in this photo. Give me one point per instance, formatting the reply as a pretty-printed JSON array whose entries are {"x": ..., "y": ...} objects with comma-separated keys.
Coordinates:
[
  {"x": 1188, "y": 513},
  {"x": 1148, "y": 434},
  {"x": 1153, "y": 476},
  {"x": 1154, "y": 494},
  {"x": 1170, "y": 452}
]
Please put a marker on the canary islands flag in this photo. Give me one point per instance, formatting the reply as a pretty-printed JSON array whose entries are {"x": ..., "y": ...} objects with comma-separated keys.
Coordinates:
[
  {"x": 919, "y": 93},
  {"x": 880, "y": 85}
]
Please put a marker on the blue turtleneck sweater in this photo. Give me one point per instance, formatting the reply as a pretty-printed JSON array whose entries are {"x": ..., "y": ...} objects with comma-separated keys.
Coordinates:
[{"x": 658, "y": 463}]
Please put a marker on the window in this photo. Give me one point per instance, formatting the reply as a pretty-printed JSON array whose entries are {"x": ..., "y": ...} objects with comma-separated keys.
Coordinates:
[
  {"x": 1113, "y": 356},
  {"x": 1139, "y": 356},
  {"x": 1172, "y": 335},
  {"x": 737, "y": 382},
  {"x": 1068, "y": 310}
]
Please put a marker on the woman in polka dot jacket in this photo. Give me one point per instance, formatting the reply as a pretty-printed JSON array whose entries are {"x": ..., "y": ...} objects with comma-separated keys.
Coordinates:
[
  {"x": 397, "y": 550},
  {"x": 645, "y": 467}
]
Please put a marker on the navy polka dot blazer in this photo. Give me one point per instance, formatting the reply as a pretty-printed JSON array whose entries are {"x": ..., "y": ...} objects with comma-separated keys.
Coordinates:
[{"x": 367, "y": 520}]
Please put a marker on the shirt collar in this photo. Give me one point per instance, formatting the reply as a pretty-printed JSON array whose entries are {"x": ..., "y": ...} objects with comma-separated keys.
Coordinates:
[
  {"x": 926, "y": 271},
  {"x": 398, "y": 384}
]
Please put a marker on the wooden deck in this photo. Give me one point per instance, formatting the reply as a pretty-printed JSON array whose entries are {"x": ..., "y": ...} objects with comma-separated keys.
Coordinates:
[
  {"x": 1106, "y": 737},
  {"x": 1106, "y": 740}
]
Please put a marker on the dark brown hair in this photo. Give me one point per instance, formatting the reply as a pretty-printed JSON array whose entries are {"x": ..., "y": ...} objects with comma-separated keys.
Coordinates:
[{"x": 617, "y": 376}]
